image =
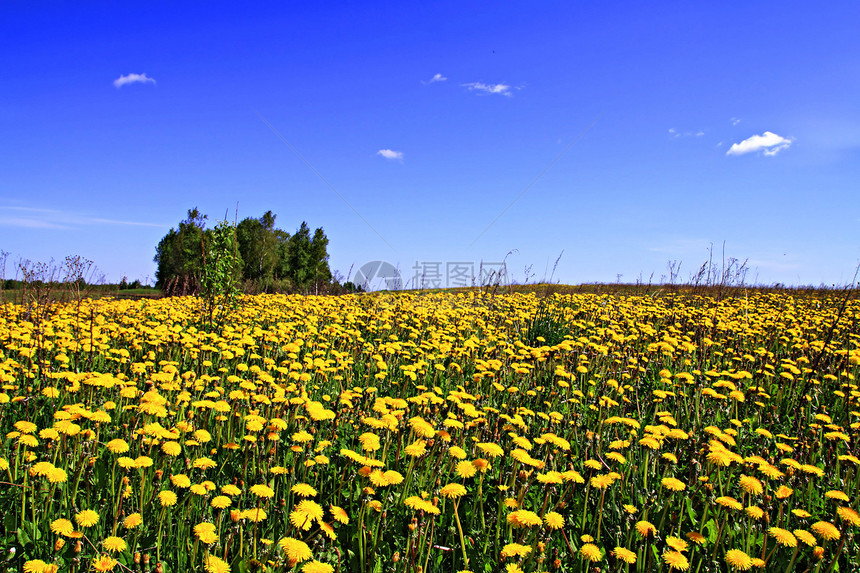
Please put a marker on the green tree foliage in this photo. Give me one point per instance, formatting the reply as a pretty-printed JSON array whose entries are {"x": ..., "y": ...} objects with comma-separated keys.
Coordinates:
[
  {"x": 269, "y": 258},
  {"x": 179, "y": 256},
  {"x": 222, "y": 271},
  {"x": 258, "y": 245}
]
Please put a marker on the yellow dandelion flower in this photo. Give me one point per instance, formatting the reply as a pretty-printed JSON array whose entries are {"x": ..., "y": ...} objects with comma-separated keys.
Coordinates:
[
  {"x": 35, "y": 566},
  {"x": 751, "y": 485},
  {"x": 677, "y": 543},
  {"x": 804, "y": 536},
  {"x": 172, "y": 449},
  {"x": 738, "y": 560},
  {"x": 295, "y": 549},
  {"x": 825, "y": 530},
  {"x": 216, "y": 565},
  {"x": 783, "y": 537},
  {"x": 515, "y": 550},
  {"x": 205, "y": 532},
  {"x": 623, "y": 554},
  {"x": 86, "y": 518},
  {"x": 62, "y": 527},
  {"x": 729, "y": 502},
  {"x": 524, "y": 518},
  {"x": 848, "y": 515},
  {"x": 491, "y": 450},
  {"x": 303, "y": 490},
  {"x": 256, "y": 515},
  {"x": 673, "y": 484},
  {"x": 220, "y": 502},
  {"x": 601, "y": 481},
  {"x": 262, "y": 491},
  {"x": 167, "y": 498},
  {"x": 231, "y": 490},
  {"x": 132, "y": 521},
  {"x": 465, "y": 469},
  {"x": 416, "y": 449},
  {"x": 104, "y": 563},
  {"x": 114, "y": 544},
  {"x": 676, "y": 560},
  {"x": 645, "y": 528},
  {"x": 338, "y": 514},
  {"x": 117, "y": 446},
  {"x": 453, "y": 490},
  {"x": 837, "y": 495},
  {"x": 754, "y": 512},
  {"x": 317, "y": 567},
  {"x": 553, "y": 520},
  {"x": 180, "y": 481},
  {"x": 784, "y": 492},
  {"x": 591, "y": 552}
]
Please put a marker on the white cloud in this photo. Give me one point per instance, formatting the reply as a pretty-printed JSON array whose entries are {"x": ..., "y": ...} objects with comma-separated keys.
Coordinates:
[
  {"x": 132, "y": 79},
  {"x": 390, "y": 154},
  {"x": 34, "y": 218},
  {"x": 675, "y": 133},
  {"x": 436, "y": 78},
  {"x": 769, "y": 143},
  {"x": 735, "y": 121},
  {"x": 501, "y": 89}
]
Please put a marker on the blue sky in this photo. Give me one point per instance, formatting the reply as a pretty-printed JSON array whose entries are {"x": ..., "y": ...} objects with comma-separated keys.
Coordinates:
[{"x": 626, "y": 134}]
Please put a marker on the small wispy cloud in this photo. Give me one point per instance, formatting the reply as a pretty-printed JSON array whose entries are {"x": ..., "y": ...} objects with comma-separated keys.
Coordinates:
[
  {"x": 768, "y": 143},
  {"x": 735, "y": 121},
  {"x": 35, "y": 218},
  {"x": 132, "y": 79},
  {"x": 390, "y": 154},
  {"x": 675, "y": 133},
  {"x": 434, "y": 79},
  {"x": 499, "y": 89}
]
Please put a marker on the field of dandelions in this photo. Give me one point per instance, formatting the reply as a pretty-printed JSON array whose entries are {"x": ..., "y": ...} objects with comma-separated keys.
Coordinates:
[{"x": 441, "y": 432}]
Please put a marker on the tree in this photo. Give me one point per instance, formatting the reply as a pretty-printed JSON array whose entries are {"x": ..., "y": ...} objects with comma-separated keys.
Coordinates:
[
  {"x": 179, "y": 256},
  {"x": 222, "y": 270},
  {"x": 299, "y": 257},
  {"x": 267, "y": 257},
  {"x": 320, "y": 271},
  {"x": 258, "y": 247}
]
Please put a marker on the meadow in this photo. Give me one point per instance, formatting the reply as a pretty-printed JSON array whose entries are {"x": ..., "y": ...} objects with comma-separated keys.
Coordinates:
[{"x": 443, "y": 432}]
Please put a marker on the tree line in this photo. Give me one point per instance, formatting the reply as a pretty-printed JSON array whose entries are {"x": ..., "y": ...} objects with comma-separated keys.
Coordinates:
[{"x": 265, "y": 258}]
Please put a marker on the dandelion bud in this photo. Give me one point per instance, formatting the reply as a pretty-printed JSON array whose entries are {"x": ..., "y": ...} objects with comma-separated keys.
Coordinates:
[
  {"x": 158, "y": 568},
  {"x": 556, "y": 563},
  {"x": 78, "y": 546},
  {"x": 158, "y": 474},
  {"x": 137, "y": 558},
  {"x": 234, "y": 515},
  {"x": 412, "y": 526},
  {"x": 125, "y": 480},
  {"x": 59, "y": 544},
  {"x": 818, "y": 552},
  {"x": 396, "y": 556},
  {"x": 145, "y": 559}
]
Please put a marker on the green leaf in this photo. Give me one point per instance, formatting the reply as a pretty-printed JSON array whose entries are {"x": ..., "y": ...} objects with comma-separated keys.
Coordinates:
[
  {"x": 690, "y": 512},
  {"x": 712, "y": 528}
]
